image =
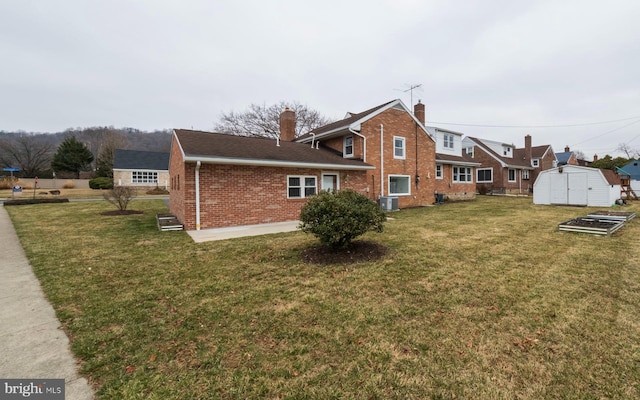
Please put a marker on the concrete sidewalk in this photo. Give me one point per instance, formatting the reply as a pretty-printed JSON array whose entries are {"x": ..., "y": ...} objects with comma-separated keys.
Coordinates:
[
  {"x": 32, "y": 345},
  {"x": 207, "y": 235}
]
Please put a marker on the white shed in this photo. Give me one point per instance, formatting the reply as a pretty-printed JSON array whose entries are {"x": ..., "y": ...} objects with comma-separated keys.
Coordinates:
[{"x": 576, "y": 185}]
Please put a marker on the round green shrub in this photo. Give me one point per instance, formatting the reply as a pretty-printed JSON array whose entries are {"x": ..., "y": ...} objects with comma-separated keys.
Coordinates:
[
  {"x": 101, "y": 183},
  {"x": 338, "y": 217}
]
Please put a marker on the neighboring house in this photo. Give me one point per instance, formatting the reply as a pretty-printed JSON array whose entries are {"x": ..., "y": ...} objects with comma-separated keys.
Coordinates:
[
  {"x": 141, "y": 169},
  {"x": 224, "y": 180},
  {"x": 568, "y": 157},
  {"x": 577, "y": 185},
  {"x": 392, "y": 139},
  {"x": 455, "y": 169},
  {"x": 505, "y": 168}
]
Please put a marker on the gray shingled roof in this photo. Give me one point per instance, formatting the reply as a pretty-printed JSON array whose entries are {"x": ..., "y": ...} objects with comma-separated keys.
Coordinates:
[
  {"x": 231, "y": 149},
  {"x": 135, "y": 159}
]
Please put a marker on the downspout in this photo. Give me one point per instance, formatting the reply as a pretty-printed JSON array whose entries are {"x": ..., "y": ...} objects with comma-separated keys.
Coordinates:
[
  {"x": 198, "y": 164},
  {"x": 364, "y": 150},
  {"x": 381, "y": 160},
  {"x": 313, "y": 139},
  {"x": 520, "y": 183}
]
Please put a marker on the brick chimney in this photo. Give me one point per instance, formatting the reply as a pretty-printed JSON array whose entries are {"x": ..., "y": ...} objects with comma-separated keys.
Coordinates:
[
  {"x": 288, "y": 125},
  {"x": 595, "y": 157},
  {"x": 527, "y": 148},
  {"x": 566, "y": 149},
  {"x": 419, "y": 112}
]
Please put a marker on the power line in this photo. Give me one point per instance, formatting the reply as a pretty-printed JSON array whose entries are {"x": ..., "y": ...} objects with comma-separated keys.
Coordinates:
[
  {"x": 536, "y": 126},
  {"x": 606, "y": 133}
]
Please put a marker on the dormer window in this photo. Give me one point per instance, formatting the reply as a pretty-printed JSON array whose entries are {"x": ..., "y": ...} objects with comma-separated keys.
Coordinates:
[
  {"x": 506, "y": 151},
  {"x": 348, "y": 146},
  {"x": 448, "y": 141},
  {"x": 535, "y": 162}
]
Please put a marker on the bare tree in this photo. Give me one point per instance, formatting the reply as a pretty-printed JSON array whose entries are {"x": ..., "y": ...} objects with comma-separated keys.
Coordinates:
[
  {"x": 26, "y": 152},
  {"x": 120, "y": 196},
  {"x": 629, "y": 151},
  {"x": 580, "y": 155},
  {"x": 263, "y": 120}
]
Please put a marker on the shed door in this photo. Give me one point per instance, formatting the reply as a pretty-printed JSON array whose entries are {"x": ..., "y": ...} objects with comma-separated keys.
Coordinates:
[
  {"x": 558, "y": 189},
  {"x": 577, "y": 189}
]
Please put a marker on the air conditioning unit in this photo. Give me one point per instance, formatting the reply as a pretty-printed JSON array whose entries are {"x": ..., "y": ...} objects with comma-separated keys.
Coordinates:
[{"x": 389, "y": 203}]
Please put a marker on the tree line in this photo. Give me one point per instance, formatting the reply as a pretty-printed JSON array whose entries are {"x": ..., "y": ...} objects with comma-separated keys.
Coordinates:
[{"x": 43, "y": 154}]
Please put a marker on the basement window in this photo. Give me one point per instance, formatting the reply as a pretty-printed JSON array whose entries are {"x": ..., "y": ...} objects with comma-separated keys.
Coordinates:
[{"x": 299, "y": 187}]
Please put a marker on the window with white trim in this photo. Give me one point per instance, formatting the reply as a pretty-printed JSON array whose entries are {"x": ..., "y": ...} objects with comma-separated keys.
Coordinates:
[
  {"x": 299, "y": 187},
  {"x": 470, "y": 151},
  {"x": 535, "y": 162},
  {"x": 448, "y": 141},
  {"x": 399, "y": 149},
  {"x": 525, "y": 174},
  {"x": 462, "y": 174},
  {"x": 438, "y": 171},
  {"x": 484, "y": 175},
  {"x": 144, "y": 177},
  {"x": 399, "y": 185},
  {"x": 348, "y": 146},
  {"x": 512, "y": 175}
]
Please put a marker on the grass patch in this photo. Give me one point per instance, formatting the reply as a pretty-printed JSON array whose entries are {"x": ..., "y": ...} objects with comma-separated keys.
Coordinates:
[{"x": 481, "y": 299}]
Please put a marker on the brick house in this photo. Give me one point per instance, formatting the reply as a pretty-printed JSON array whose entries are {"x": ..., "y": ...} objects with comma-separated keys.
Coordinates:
[
  {"x": 392, "y": 139},
  {"x": 222, "y": 180},
  {"x": 455, "y": 169},
  {"x": 567, "y": 157},
  {"x": 505, "y": 168}
]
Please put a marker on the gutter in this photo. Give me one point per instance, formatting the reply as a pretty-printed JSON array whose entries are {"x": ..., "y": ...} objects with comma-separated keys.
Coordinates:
[
  {"x": 274, "y": 163},
  {"x": 381, "y": 160}
]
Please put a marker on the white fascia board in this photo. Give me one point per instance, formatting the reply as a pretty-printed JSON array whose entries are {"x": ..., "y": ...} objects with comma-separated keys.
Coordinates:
[
  {"x": 462, "y": 163},
  {"x": 274, "y": 163},
  {"x": 519, "y": 167}
]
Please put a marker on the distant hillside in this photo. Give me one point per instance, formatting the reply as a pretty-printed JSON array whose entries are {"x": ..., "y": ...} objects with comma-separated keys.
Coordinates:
[{"x": 32, "y": 151}]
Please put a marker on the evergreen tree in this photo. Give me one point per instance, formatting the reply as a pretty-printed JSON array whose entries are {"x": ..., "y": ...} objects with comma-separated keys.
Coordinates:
[{"x": 72, "y": 156}]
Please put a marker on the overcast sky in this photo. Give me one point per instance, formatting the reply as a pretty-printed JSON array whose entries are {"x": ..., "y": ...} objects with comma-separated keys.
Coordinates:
[{"x": 157, "y": 64}]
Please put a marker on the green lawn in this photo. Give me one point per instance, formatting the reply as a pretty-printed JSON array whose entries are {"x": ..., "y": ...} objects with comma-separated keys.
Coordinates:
[{"x": 481, "y": 299}]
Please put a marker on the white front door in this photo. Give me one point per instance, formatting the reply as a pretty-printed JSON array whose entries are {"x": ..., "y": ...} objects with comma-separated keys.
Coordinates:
[{"x": 330, "y": 182}]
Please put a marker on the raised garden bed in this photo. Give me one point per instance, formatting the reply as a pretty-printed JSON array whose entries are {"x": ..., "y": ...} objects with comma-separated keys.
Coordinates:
[
  {"x": 595, "y": 226},
  {"x": 613, "y": 215}
]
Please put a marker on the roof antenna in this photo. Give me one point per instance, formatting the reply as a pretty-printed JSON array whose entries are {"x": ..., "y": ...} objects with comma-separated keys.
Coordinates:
[{"x": 412, "y": 87}]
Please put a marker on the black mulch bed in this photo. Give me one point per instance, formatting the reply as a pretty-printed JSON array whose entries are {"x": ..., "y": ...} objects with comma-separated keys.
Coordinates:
[
  {"x": 121, "y": 212},
  {"x": 359, "y": 251},
  {"x": 25, "y": 202}
]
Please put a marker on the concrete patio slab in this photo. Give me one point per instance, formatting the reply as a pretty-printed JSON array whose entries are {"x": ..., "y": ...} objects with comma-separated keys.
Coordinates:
[{"x": 207, "y": 235}]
